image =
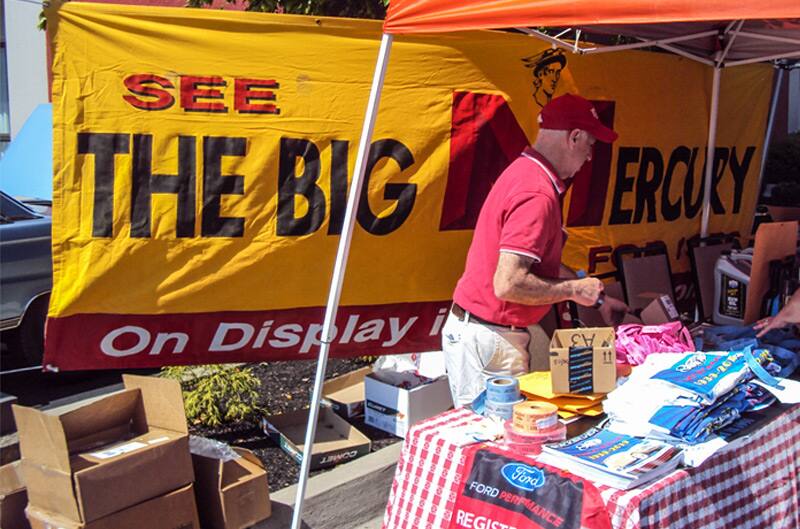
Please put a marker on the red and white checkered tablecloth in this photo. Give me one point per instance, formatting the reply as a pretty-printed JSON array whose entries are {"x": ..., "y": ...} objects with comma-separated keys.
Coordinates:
[{"x": 755, "y": 483}]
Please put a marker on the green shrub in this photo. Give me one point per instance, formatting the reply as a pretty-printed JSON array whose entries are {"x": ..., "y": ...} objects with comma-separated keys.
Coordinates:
[{"x": 217, "y": 394}]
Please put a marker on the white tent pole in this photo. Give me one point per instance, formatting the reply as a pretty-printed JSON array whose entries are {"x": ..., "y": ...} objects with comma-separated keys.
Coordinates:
[
  {"x": 770, "y": 38},
  {"x": 766, "y": 58},
  {"x": 712, "y": 141},
  {"x": 692, "y": 56},
  {"x": 768, "y": 134},
  {"x": 328, "y": 329},
  {"x": 731, "y": 38},
  {"x": 552, "y": 40},
  {"x": 648, "y": 43}
]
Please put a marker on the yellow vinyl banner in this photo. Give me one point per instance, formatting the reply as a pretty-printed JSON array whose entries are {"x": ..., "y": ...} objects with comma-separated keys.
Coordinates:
[{"x": 203, "y": 159}]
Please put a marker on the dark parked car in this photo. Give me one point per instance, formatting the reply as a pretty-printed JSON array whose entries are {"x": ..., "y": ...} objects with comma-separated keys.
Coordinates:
[{"x": 26, "y": 278}]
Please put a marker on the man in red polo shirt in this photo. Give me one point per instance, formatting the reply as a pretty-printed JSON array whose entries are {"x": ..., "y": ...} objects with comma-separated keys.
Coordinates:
[{"x": 511, "y": 277}]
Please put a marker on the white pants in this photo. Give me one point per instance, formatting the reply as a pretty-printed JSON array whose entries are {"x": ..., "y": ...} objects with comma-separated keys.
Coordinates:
[{"x": 474, "y": 352}]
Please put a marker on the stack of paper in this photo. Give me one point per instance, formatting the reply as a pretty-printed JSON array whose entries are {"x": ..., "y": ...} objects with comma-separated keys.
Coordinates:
[
  {"x": 612, "y": 459},
  {"x": 538, "y": 386}
]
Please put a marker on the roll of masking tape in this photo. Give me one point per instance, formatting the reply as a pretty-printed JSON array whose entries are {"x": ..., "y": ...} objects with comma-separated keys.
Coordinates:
[
  {"x": 502, "y": 389},
  {"x": 532, "y": 443},
  {"x": 501, "y": 410},
  {"x": 531, "y": 417}
]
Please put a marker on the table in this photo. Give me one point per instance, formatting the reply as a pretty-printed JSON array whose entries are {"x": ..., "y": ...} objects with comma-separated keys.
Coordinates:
[{"x": 754, "y": 483}]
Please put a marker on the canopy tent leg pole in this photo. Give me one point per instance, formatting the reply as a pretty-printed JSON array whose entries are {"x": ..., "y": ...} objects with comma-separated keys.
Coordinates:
[
  {"x": 712, "y": 141},
  {"x": 339, "y": 269},
  {"x": 776, "y": 91}
]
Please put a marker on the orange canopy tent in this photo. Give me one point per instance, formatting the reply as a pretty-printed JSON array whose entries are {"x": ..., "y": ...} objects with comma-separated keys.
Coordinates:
[
  {"x": 718, "y": 33},
  {"x": 429, "y": 16}
]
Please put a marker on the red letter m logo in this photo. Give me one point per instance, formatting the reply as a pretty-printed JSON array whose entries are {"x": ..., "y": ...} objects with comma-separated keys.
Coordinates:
[{"x": 485, "y": 138}]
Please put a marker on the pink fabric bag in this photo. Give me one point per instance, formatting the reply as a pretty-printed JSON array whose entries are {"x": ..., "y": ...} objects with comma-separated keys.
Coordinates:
[{"x": 635, "y": 342}]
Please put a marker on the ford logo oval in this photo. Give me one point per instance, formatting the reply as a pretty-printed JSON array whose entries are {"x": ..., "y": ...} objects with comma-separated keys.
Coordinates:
[{"x": 522, "y": 476}]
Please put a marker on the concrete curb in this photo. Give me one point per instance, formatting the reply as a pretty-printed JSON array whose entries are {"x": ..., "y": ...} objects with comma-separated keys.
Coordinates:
[{"x": 351, "y": 496}]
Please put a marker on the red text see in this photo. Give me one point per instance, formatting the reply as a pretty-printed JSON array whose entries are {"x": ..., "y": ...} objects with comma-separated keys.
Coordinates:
[{"x": 202, "y": 94}]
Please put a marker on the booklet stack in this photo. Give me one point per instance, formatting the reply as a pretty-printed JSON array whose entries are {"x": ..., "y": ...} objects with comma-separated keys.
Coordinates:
[{"x": 613, "y": 459}]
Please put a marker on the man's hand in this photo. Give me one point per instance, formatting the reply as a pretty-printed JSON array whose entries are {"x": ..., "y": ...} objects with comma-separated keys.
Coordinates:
[
  {"x": 613, "y": 311},
  {"x": 587, "y": 291},
  {"x": 788, "y": 315}
]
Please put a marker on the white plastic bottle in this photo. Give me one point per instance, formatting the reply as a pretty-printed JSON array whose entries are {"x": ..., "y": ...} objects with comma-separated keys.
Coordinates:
[{"x": 731, "y": 281}]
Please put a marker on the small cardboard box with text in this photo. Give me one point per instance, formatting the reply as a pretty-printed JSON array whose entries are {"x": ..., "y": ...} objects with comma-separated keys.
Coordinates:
[
  {"x": 583, "y": 360},
  {"x": 394, "y": 409},
  {"x": 345, "y": 394},
  {"x": 660, "y": 310},
  {"x": 335, "y": 440}
]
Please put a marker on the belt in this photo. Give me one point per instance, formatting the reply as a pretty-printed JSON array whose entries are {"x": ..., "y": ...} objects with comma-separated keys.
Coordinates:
[{"x": 459, "y": 312}]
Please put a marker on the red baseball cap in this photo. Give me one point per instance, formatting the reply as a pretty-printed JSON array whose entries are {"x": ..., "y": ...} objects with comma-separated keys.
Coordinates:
[{"x": 570, "y": 112}]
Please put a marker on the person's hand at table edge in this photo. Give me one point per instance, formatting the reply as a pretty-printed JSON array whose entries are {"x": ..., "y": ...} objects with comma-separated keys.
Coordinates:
[{"x": 788, "y": 315}]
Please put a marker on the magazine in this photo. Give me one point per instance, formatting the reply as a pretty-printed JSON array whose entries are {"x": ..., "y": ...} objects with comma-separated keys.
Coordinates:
[{"x": 613, "y": 459}]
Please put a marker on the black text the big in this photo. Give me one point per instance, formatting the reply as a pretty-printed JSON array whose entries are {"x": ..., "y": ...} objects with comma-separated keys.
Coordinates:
[{"x": 305, "y": 184}]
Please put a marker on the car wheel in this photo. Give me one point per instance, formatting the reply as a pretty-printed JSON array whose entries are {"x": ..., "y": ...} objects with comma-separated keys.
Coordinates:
[{"x": 31, "y": 331}]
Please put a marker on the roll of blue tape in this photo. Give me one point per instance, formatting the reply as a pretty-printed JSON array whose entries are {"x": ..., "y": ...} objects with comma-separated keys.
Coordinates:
[
  {"x": 502, "y": 410},
  {"x": 502, "y": 389}
]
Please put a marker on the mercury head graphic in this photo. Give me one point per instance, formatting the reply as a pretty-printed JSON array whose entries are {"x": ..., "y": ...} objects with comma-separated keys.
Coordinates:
[{"x": 546, "y": 69}]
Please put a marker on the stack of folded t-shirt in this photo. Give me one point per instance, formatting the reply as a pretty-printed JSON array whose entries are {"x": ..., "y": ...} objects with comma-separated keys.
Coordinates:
[{"x": 688, "y": 397}]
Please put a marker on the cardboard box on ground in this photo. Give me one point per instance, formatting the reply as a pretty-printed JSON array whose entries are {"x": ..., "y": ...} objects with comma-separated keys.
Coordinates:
[
  {"x": 13, "y": 498},
  {"x": 95, "y": 465},
  {"x": 335, "y": 440},
  {"x": 395, "y": 409},
  {"x": 345, "y": 394},
  {"x": 174, "y": 510},
  {"x": 232, "y": 493}
]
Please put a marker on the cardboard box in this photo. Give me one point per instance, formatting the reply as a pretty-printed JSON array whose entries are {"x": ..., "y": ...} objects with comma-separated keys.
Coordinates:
[
  {"x": 774, "y": 240},
  {"x": 643, "y": 275},
  {"x": 590, "y": 317},
  {"x": 335, "y": 441},
  {"x": 9, "y": 448},
  {"x": 594, "y": 373},
  {"x": 108, "y": 454},
  {"x": 345, "y": 394},
  {"x": 660, "y": 310},
  {"x": 13, "y": 498},
  {"x": 174, "y": 510},
  {"x": 231, "y": 494},
  {"x": 395, "y": 410}
]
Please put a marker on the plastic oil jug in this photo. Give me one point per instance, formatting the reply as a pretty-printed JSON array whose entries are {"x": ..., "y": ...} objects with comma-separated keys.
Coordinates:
[{"x": 731, "y": 280}]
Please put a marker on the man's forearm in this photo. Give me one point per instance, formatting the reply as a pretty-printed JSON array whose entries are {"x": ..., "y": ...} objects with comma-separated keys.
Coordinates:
[
  {"x": 533, "y": 290},
  {"x": 514, "y": 281}
]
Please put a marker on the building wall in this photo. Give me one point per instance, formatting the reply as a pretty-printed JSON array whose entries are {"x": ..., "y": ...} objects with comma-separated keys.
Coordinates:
[{"x": 26, "y": 61}]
